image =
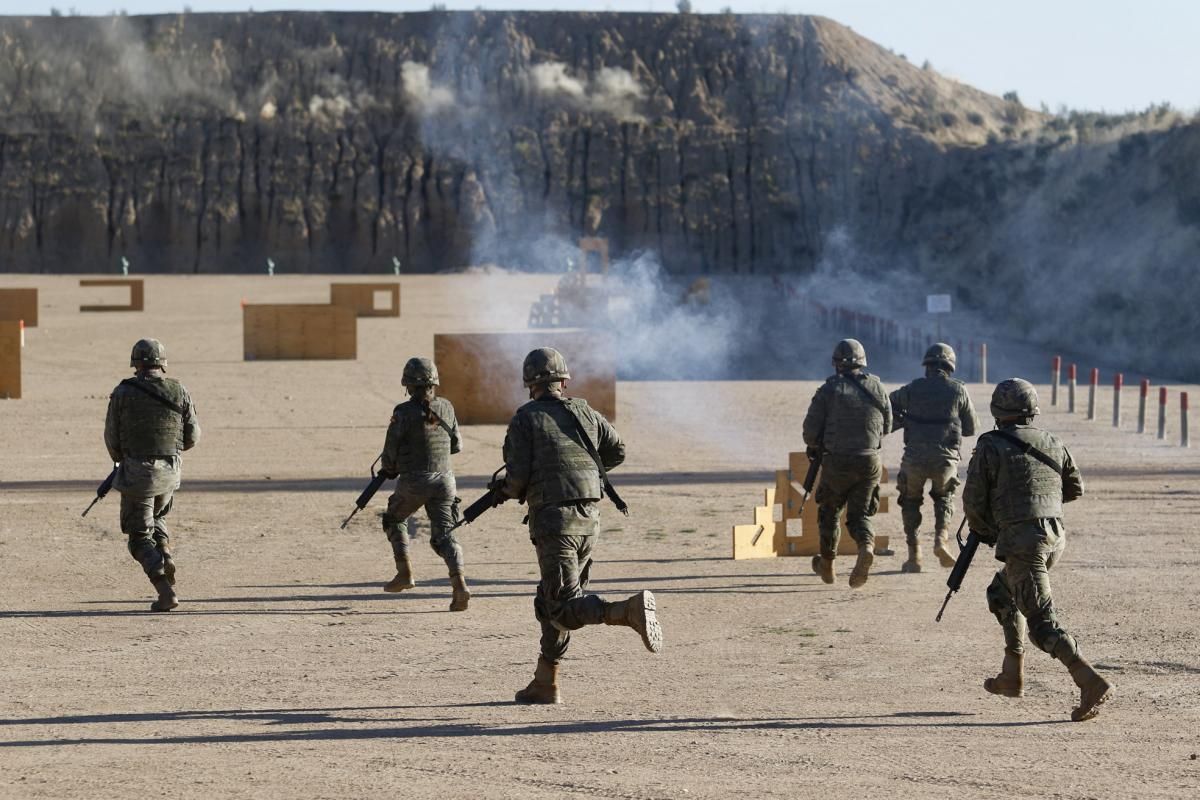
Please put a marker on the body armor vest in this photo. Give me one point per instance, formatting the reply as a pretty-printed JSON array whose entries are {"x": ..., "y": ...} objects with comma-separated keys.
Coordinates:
[
  {"x": 930, "y": 407},
  {"x": 563, "y": 470},
  {"x": 1024, "y": 487},
  {"x": 149, "y": 427},
  {"x": 853, "y": 424},
  {"x": 424, "y": 445}
]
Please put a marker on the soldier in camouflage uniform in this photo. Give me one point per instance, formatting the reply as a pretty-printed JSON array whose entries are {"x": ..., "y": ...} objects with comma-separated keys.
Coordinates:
[
  {"x": 557, "y": 454},
  {"x": 422, "y": 436},
  {"x": 936, "y": 413},
  {"x": 1017, "y": 482},
  {"x": 150, "y": 421},
  {"x": 846, "y": 421}
]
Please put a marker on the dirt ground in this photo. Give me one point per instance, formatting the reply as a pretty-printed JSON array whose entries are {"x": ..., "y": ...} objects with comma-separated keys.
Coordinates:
[{"x": 286, "y": 672}]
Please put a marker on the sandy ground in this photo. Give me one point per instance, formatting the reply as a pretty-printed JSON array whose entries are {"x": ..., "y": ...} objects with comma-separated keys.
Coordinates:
[{"x": 287, "y": 673}]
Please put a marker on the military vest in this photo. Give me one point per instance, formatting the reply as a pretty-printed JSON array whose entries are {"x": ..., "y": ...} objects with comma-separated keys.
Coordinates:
[
  {"x": 930, "y": 407},
  {"x": 854, "y": 425},
  {"x": 563, "y": 471},
  {"x": 424, "y": 445},
  {"x": 1023, "y": 487},
  {"x": 148, "y": 426}
]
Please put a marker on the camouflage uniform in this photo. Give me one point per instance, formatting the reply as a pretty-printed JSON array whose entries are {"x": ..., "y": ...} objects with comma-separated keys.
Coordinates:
[
  {"x": 1013, "y": 499},
  {"x": 549, "y": 465},
  {"x": 847, "y": 419},
  {"x": 417, "y": 453},
  {"x": 936, "y": 413},
  {"x": 146, "y": 435}
]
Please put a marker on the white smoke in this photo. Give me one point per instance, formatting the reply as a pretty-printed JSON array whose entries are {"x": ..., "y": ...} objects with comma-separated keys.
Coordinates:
[
  {"x": 612, "y": 90},
  {"x": 420, "y": 90}
]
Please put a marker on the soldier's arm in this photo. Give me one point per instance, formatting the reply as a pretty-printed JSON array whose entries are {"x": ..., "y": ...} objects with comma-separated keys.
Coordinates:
[
  {"x": 391, "y": 446},
  {"x": 609, "y": 444},
  {"x": 887, "y": 409},
  {"x": 814, "y": 420},
  {"x": 112, "y": 428},
  {"x": 191, "y": 424},
  {"x": 1072, "y": 481},
  {"x": 977, "y": 494},
  {"x": 966, "y": 414},
  {"x": 899, "y": 404},
  {"x": 518, "y": 457},
  {"x": 455, "y": 437}
]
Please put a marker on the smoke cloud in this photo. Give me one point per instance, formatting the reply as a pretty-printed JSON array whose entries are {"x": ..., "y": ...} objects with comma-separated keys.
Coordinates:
[{"x": 611, "y": 90}]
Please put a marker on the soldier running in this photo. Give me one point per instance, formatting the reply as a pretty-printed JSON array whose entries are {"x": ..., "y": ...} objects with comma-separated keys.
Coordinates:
[
  {"x": 846, "y": 422},
  {"x": 150, "y": 421},
  {"x": 1018, "y": 479},
  {"x": 936, "y": 413},
  {"x": 422, "y": 436},
  {"x": 557, "y": 454}
]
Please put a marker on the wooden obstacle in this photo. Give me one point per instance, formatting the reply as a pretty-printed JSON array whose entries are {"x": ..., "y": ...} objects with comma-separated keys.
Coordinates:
[
  {"x": 361, "y": 298},
  {"x": 299, "y": 331},
  {"x": 597, "y": 245},
  {"x": 137, "y": 293},
  {"x": 796, "y": 533},
  {"x": 10, "y": 359},
  {"x": 481, "y": 372},
  {"x": 19, "y": 304}
]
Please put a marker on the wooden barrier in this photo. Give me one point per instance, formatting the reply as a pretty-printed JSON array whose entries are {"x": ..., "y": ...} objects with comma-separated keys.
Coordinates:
[
  {"x": 137, "y": 293},
  {"x": 481, "y": 372},
  {"x": 19, "y": 304},
  {"x": 597, "y": 245},
  {"x": 796, "y": 534},
  {"x": 10, "y": 359},
  {"x": 300, "y": 331},
  {"x": 361, "y": 298}
]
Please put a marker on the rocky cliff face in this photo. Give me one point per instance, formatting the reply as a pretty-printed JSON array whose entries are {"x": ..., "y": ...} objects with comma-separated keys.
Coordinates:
[{"x": 724, "y": 144}]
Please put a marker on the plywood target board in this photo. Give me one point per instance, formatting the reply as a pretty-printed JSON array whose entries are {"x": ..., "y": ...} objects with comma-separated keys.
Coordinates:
[
  {"x": 10, "y": 359},
  {"x": 19, "y": 304},
  {"x": 481, "y": 372},
  {"x": 137, "y": 294},
  {"x": 362, "y": 296},
  {"x": 298, "y": 331}
]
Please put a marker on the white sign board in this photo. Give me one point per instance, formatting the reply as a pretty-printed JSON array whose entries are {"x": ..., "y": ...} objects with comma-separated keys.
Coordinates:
[{"x": 937, "y": 303}]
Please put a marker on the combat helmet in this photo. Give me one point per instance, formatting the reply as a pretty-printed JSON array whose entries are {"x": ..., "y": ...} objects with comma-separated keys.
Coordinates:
[
  {"x": 544, "y": 365},
  {"x": 148, "y": 353},
  {"x": 940, "y": 355},
  {"x": 1015, "y": 398},
  {"x": 419, "y": 372},
  {"x": 849, "y": 353}
]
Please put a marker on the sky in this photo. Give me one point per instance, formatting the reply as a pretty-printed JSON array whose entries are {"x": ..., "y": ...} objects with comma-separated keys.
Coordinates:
[{"x": 1099, "y": 55}]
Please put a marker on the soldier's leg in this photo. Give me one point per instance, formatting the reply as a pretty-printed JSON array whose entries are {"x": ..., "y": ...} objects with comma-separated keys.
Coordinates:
[
  {"x": 137, "y": 522},
  {"x": 830, "y": 497},
  {"x": 442, "y": 514},
  {"x": 162, "y": 537},
  {"x": 402, "y": 504},
  {"x": 910, "y": 482},
  {"x": 1010, "y": 681},
  {"x": 943, "y": 485},
  {"x": 862, "y": 502}
]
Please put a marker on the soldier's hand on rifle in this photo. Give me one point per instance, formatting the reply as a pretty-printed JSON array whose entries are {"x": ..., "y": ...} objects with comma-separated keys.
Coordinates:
[{"x": 813, "y": 453}]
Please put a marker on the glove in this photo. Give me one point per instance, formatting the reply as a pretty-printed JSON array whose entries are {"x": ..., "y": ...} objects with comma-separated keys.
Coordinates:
[
  {"x": 389, "y": 474},
  {"x": 813, "y": 453}
]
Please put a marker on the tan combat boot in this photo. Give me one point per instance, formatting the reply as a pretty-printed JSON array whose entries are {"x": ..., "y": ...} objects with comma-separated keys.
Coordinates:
[
  {"x": 167, "y": 599},
  {"x": 914, "y": 559},
  {"x": 824, "y": 567},
  {"x": 458, "y": 583},
  {"x": 940, "y": 540},
  {"x": 403, "y": 579},
  {"x": 1011, "y": 680},
  {"x": 543, "y": 689},
  {"x": 637, "y": 612},
  {"x": 1094, "y": 691},
  {"x": 862, "y": 567}
]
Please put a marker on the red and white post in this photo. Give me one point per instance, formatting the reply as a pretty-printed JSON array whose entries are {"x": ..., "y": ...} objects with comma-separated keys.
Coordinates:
[
  {"x": 1162, "y": 412},
  {"x": 1092, "y": 384},
  {"x": 1118, "y": 383},
  {"x": 1183, "y": 420},
  {"x": 1071, "y": 388},
  {"x": 1143, "y": 396},
  {"x": 983, "y": 362},
  {"x": 1055, "y": 371}
]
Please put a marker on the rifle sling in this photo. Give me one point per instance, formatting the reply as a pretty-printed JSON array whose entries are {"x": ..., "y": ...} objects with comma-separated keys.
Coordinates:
[
  {"x": 146, "y": 390},
  {"x": 1028, "y": 449},
  {"x": 437, "y": 418},
  {"x": 609, "y": 489},
  {"x": 867, "y": 393}
]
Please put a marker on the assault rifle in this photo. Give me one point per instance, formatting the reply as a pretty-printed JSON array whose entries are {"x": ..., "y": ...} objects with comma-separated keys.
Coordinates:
[
  {"x": 495, "y": 496},
  {"x": 377, "y": 480},
  {"x": 810, "y": 477},
  {"x": 961, "y": 565},
  {"x": 102, "y": 490}
]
